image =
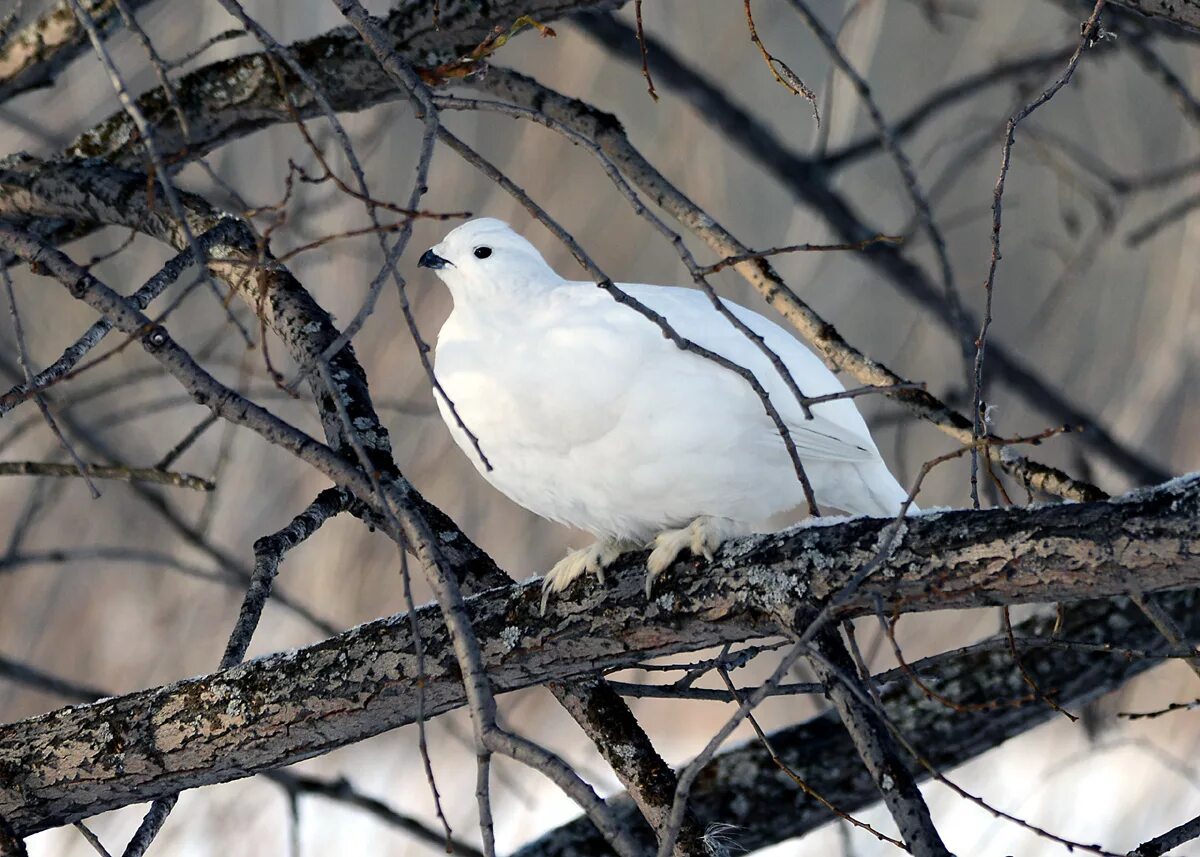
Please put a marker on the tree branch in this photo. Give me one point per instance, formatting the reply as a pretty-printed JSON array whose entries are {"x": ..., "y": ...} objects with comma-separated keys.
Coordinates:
[
  {"x": 1168, "y": 841},
  {"x": 267, "y": 713},
  {"x": 868, "y": 732},
  {"x": 33, "y": 57},
  {"x": 225, "y": 100},
  {"x": 748, "y": 788},
  {"x": 1183, "y": 13},
  {"x": 101, "y": 471}
]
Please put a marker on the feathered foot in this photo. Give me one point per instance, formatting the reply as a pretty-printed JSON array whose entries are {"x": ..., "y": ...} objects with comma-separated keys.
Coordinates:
[
  {"x": 702, "y": 537},
  {"x": 592, "y": 559}
]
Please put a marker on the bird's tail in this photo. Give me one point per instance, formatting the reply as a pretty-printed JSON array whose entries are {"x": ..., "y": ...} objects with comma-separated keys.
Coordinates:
[{"x": 881, "y": 495}]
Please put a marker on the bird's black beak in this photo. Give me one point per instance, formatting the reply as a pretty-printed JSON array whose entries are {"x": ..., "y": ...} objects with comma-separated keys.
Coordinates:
[{"x": 429, "y": 259}]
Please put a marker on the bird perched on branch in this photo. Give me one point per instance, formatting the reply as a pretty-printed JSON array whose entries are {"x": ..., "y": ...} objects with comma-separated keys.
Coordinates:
[{"x": 579, "y": 408}]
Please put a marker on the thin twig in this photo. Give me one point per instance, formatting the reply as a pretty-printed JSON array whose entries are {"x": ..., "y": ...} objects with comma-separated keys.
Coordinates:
[
  {"x": 101, "y": 471},
  {"x": 186, "y": 442},
  {"x": 268, "y": 553},
  {"x": 23, "y": 362},
  {"x": 341, "y": 790},
  {"x": 641, "y": 36},
  {"x": 1169, "y": 216},
  {"x": 61, "y": 369},
  {"x": 765, "y": 740},
  {"x": 147, "y": 134},
  {"x": 783, "y": 75},
  {"x": 92, "y": 839},
  {"x": 908, "y": 174},
  {"x": 1173, "y": 707},
  {"x": 977, "y": 410},
  {"x": 1166, "y": 625},
  {"x": 729, "y": 261}
]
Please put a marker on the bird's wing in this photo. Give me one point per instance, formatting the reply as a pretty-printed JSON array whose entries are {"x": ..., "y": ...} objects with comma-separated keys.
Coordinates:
[{"x": 835, "y": 432}]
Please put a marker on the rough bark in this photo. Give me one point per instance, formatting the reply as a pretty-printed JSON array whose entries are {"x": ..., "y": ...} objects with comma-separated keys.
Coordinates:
[
  {"x": 746, "y": 788},
  {"x": 79, "y": 761},
  {"x": 876, "y": 747},
  {"x": 229, "y": 99},
  {"x": 1184, "y": 13},
  {"x": 36, "y": 54}
]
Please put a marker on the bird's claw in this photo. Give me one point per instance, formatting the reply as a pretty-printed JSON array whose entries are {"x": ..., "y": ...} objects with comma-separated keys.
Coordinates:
[
  {"x": 592, "y": 559},
  {"x": 702, "y": 537}
]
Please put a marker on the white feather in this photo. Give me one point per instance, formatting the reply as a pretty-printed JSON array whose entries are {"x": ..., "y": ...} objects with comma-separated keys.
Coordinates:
[{"x": 591, "y": 417}]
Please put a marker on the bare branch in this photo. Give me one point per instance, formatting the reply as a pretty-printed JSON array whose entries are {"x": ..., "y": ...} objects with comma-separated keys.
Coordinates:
[
  {"x": 891, "y": 145},
  {"x": 23, "y": 362},
  {"x": 268, "y": 553},
  {"x": 1168, "y": 841},
  {"x": 100, "y": 471},
  {"x": 1182, "y": 13},
  {"x": 92, "y": 839},
  {"x": 978, "y": 410},
  {"x": 875, "y": 747},
  {"x": 227, "y": 100},
  {"x": 47, "y": 683},
  {"x": 36, "y": 55},
  {"x": 1008, "y": 71},
  {"x": 276, "y": 710},
  {"x": 343, "y": 791},
  {"x": 61, "y": 368}
]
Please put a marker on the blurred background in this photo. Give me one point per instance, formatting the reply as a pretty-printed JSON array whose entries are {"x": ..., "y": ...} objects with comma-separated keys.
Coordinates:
[{"x": 1108, "y": 316}]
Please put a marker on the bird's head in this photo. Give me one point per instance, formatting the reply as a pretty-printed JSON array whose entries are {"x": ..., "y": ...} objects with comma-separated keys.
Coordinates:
[{"x": 485, "y": 256}]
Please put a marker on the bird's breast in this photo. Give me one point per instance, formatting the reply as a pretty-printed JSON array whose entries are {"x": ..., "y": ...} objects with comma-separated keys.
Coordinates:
[{"x": 535, "y": 389}]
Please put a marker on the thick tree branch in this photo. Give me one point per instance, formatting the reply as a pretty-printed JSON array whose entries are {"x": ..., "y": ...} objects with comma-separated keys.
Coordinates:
[
  {"x": 878, "y": 751},
  {"x": 34, "y": 56},
  {"x": 747, "y": 788},
  {"x": 226, "y": 100},
  {"x": 1183, "y": 13},
  {"x": 622, "y": 742},
  {"x": 268, "y": 713}
]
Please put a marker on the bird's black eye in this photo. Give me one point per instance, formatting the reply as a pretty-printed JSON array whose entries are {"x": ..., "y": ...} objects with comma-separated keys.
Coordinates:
[{"x": 482, "y": 252}]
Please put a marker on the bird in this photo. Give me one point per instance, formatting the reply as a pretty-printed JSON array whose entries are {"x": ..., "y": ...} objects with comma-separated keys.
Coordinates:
[{"x": 578, "y": 408}]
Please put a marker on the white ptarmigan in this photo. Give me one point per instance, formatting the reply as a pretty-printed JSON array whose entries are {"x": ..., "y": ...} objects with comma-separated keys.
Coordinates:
[{"x": 589, "y": 416}]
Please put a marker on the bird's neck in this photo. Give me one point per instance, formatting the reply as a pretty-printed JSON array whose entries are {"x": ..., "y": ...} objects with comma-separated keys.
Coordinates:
[{"x": 501, "y": 299}]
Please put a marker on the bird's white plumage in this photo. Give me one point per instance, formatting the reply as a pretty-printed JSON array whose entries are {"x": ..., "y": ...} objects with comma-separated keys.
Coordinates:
[{"x": 591, "y": 417}]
